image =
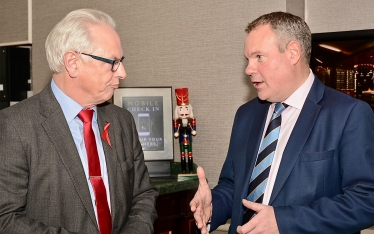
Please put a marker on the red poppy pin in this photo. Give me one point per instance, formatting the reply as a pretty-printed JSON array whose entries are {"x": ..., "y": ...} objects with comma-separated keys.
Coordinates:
[{"x": 105, "y": 134}]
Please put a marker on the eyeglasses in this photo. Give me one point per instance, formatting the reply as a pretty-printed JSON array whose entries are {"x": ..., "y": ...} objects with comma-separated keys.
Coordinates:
[{"x": 115, "y": 63}]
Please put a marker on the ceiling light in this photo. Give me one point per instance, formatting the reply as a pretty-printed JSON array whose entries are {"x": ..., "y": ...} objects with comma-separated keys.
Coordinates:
[{"x": 330, "y": 47}]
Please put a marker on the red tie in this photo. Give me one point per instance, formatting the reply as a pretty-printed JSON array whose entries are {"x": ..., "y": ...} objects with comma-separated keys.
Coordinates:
[{"x": 102, "y": 208}]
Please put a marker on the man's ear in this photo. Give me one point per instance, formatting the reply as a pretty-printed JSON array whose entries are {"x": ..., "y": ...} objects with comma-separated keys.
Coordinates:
[
  {"x": 71, "y": 66},
  {"x": 294, "y": 50}
]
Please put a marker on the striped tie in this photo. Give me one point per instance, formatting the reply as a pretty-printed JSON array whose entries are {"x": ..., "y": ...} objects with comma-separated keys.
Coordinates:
[{"x": 265, "y": 156}]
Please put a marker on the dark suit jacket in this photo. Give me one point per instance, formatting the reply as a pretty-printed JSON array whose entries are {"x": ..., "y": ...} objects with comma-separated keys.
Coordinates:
[
  {"x": 325, "y": 182},
  {"x": 42, "y": 182}
]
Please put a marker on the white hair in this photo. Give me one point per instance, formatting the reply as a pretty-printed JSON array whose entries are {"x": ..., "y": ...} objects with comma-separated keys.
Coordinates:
[
  {"x": 176, "y": 111},
  {"x": 73, "y": 33}
]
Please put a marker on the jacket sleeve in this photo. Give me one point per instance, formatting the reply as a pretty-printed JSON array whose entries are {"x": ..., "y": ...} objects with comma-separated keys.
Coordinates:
[{"x": 223, "y": 193}]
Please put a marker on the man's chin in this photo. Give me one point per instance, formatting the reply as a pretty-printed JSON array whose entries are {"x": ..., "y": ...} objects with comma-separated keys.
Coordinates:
[
  {"x": 107, "y": 97},
  {"x": 261, "y": 97}
]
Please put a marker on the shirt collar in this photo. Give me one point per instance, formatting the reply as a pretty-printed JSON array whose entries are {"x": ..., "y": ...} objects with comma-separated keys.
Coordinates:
[
  {"x": 69, "y": 107},
  {"x": 298, "y": 97}
]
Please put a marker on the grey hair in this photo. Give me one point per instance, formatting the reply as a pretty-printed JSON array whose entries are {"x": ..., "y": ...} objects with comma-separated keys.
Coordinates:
[
  {"x": 287, "y": 27},
  {"x": 73, "y": 33}
]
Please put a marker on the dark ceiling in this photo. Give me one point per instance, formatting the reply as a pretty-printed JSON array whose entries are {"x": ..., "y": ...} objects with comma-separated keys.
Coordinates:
[{"x": 355, "y": 49}]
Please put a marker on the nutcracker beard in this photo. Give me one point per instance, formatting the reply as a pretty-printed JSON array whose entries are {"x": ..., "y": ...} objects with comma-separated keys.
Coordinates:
[{"x": 184, "y": 122}]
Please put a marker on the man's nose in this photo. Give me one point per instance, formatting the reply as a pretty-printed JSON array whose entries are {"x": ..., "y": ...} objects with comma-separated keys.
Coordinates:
[
  {"x": 121, "y": 72},
  {"x": 250, "y": 69}
]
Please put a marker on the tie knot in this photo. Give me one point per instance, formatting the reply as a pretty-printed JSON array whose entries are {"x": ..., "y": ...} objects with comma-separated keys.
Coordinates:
[
  {"x": 280, "y": 107},
  {"x": 86, "y": 115}
]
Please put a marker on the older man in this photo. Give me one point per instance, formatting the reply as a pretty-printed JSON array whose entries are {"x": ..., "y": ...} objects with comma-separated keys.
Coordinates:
[{"x": 71, "y": 163}]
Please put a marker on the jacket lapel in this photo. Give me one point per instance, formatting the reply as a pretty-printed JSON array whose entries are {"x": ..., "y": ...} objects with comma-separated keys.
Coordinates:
[
  {"x": 254, "y": 139},
  {"x": 299, "y": 135},
  {"x": 58, "y": 131},
  {"x": 110, "y": 154}
]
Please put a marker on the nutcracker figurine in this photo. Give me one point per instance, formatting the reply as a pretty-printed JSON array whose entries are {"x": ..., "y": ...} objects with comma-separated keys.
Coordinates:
[{"x": 184, "y": 127}]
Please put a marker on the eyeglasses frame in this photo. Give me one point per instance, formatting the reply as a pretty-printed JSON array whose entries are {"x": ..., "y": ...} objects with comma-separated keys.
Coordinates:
[{"x": 110, "y": 61}]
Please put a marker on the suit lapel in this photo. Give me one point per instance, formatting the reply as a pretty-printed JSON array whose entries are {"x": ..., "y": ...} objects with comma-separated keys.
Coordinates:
[
  {"x": 110, "y": 155},
  {"x": 254, "y": 139},
  {"x": 58, "y": 131},
  {"x": 299, "y": 136}
]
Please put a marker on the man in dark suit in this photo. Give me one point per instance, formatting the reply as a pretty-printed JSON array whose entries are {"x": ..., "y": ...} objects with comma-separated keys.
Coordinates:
[
  {"x": 46, "y": 185},
  {"x": 321, "y": 177}
]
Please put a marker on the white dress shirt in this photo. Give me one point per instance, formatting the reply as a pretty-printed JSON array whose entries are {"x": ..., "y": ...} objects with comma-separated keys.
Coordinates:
[
  {"x": 289, "y": 118},
  {"x": 71, "y": 110}
]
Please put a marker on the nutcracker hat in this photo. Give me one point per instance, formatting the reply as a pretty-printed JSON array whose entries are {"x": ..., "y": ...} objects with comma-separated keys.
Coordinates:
[{"x": 182, "y": 96}]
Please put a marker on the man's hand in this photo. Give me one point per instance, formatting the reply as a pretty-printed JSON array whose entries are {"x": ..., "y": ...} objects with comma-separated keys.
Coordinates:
[
  {"x": 263, "y": 222},
  {"x": 201, "y": 204}
]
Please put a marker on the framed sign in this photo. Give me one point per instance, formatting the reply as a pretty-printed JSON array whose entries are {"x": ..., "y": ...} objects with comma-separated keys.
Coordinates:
[{"x": 151, "y": 108}]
